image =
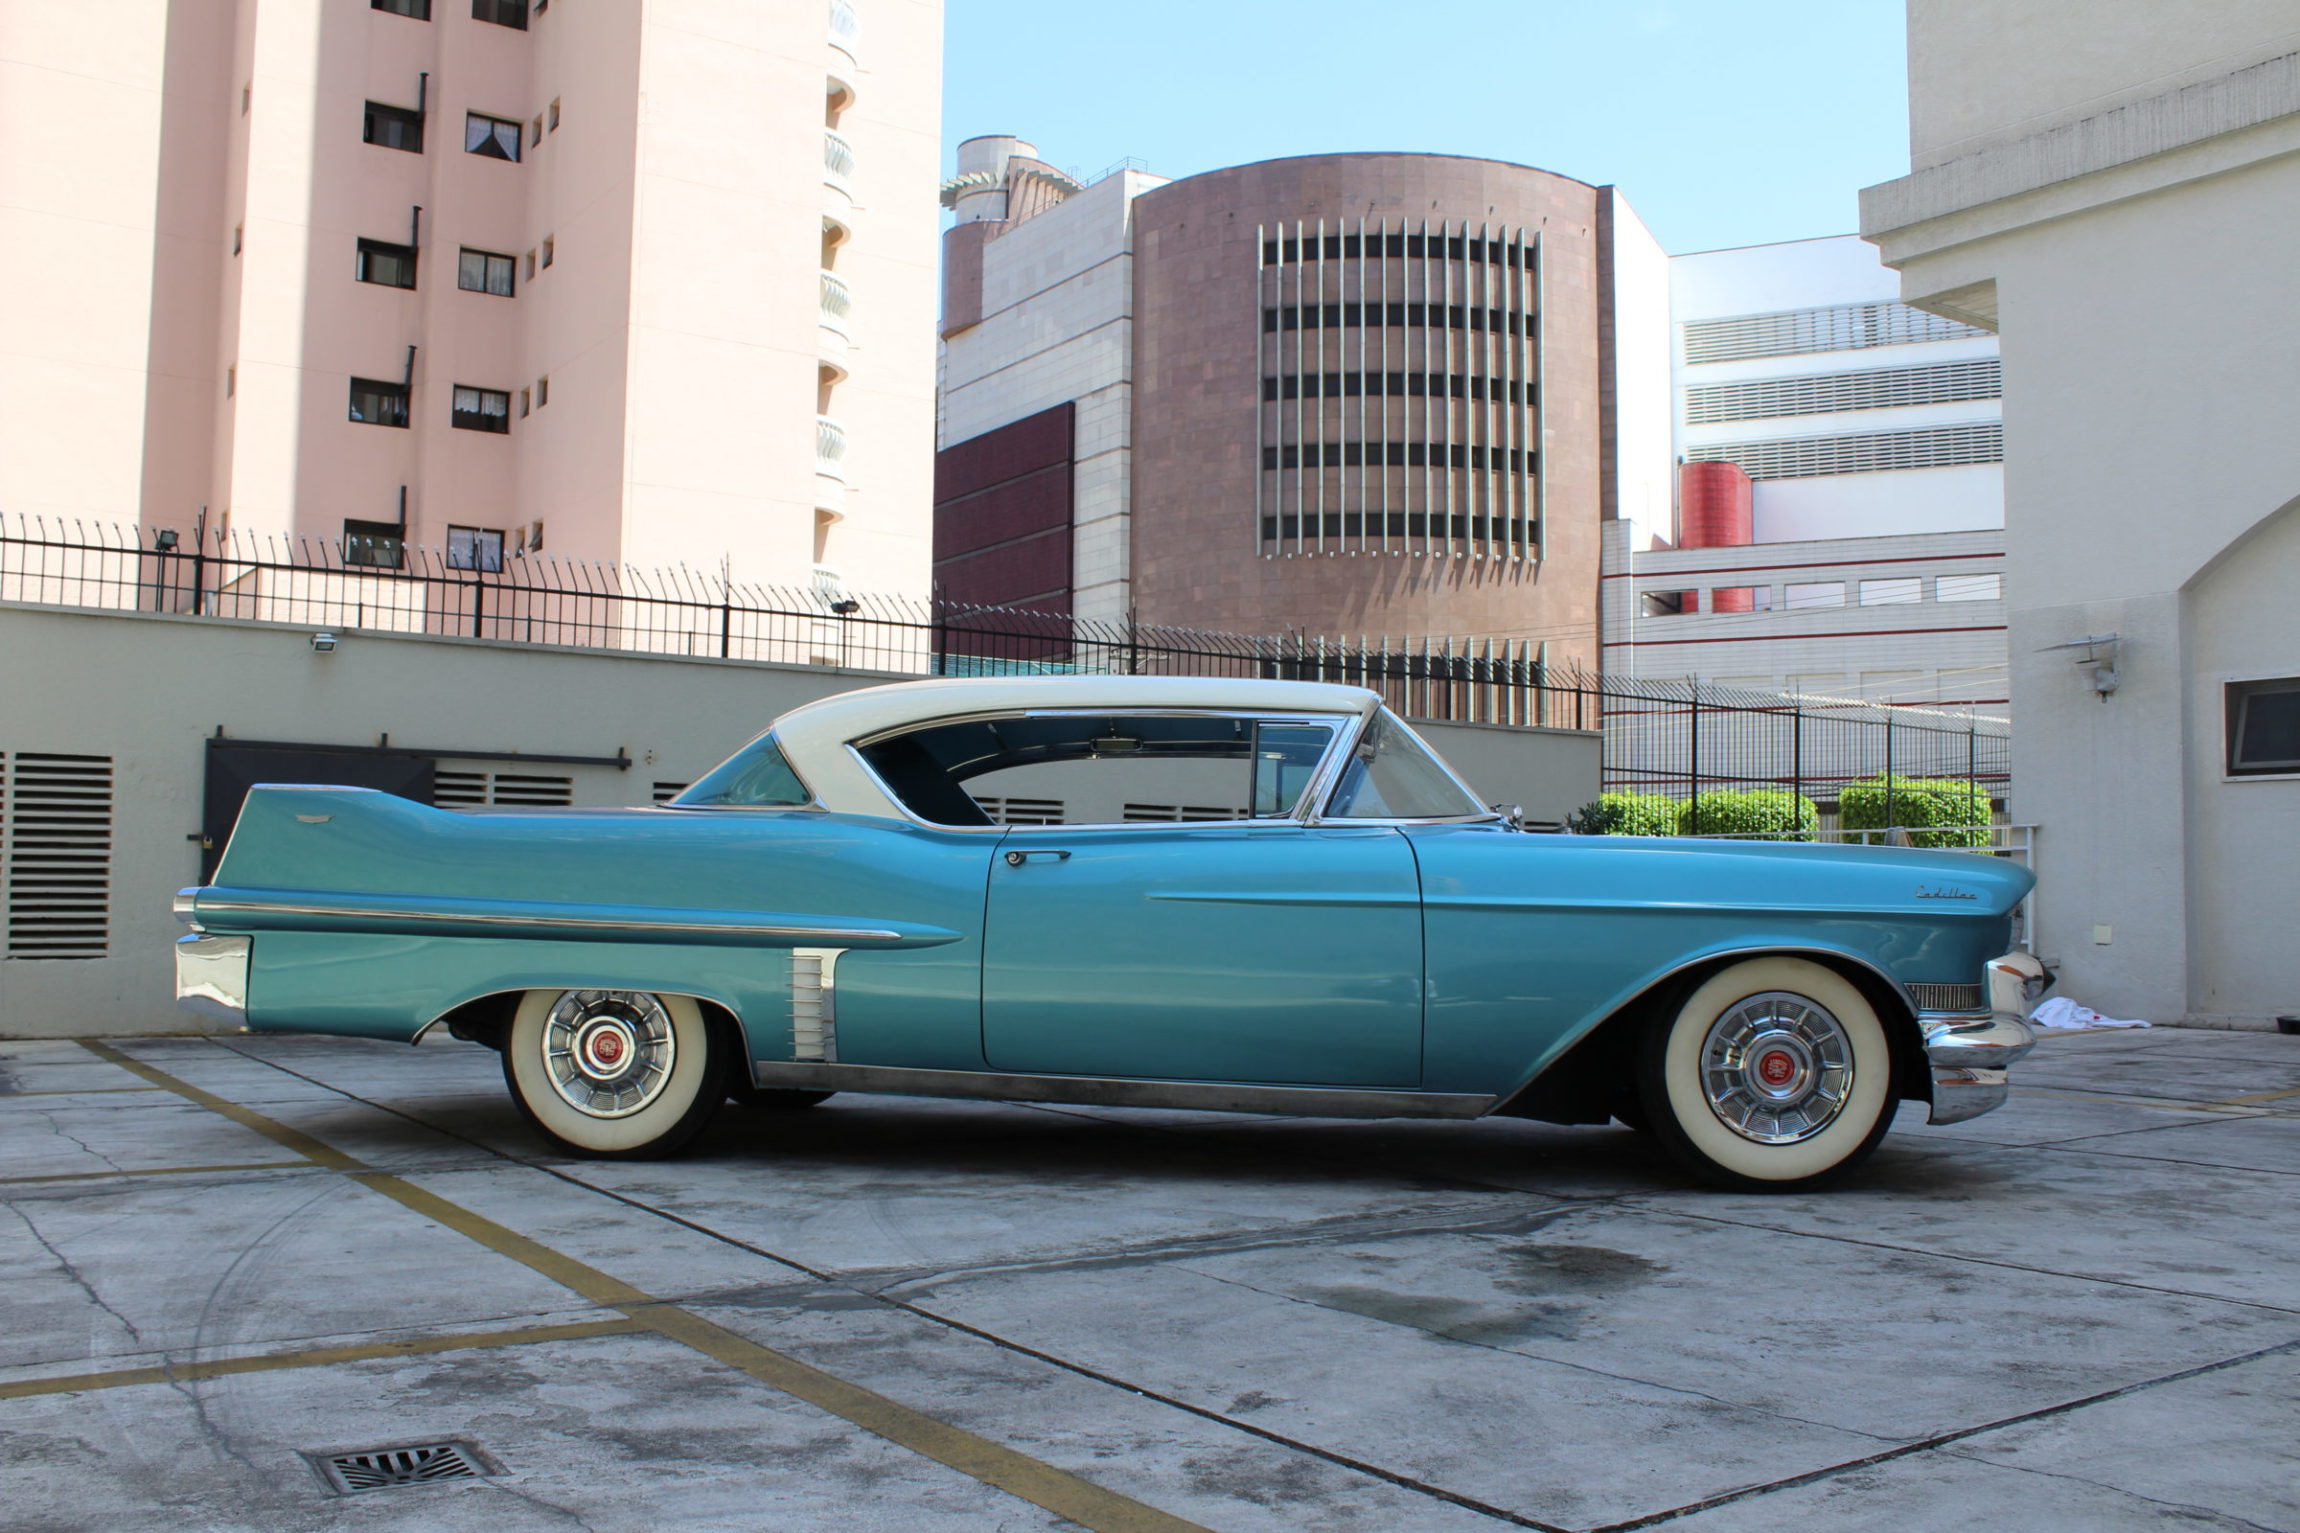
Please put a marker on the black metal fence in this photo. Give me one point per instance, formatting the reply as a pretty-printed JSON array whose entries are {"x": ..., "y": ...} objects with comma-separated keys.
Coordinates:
[{"x": 1671, "y": 737}]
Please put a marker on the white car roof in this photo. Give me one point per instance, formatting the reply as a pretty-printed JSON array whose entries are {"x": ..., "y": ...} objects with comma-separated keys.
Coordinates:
[{"x": 814, "y": 736}]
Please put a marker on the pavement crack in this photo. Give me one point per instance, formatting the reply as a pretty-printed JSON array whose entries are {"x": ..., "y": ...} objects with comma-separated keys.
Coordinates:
[
  {"x": 48, "y": 1116},
  {"x": 79, "y": 1279}
]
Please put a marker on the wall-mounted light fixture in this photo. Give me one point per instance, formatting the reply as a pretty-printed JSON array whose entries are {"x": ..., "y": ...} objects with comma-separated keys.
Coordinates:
[
  {"x": 165, "y": 540},
  {"x": 2100, "y": 651},
  {"x": 324, "y": 643},
  {"x": 846, "y": 606}
]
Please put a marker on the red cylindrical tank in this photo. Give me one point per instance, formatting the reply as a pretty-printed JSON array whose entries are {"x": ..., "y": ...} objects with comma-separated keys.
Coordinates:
[
  {"x": 1715, "y": 506},
  {"x": 1715, "y": 510}
]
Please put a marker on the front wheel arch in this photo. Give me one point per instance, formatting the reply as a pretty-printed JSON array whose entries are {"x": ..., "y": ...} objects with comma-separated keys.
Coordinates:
[{"x": 1594, "y": 1080}]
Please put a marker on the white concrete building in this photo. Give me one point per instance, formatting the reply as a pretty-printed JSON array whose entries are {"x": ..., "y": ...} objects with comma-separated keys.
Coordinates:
[
  {"x": 2114, "y": 186},
  {"x": 1855, "y": 547},
  {"x": 645, "y": 282}
]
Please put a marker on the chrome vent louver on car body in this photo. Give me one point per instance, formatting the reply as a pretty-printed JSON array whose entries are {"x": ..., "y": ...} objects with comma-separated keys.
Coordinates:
[
  {"x": 814, "y": 1004},
  {"x": 1948, "y": 997}
]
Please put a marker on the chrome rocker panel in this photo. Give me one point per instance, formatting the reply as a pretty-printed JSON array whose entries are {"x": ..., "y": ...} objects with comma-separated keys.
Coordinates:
[
  {"x": 1102, "y": 1091},
  {"x": 1971, "y": 1050}
]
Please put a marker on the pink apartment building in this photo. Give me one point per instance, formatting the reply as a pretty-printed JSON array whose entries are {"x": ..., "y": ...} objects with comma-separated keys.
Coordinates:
[{"x": 650, "y": 281}]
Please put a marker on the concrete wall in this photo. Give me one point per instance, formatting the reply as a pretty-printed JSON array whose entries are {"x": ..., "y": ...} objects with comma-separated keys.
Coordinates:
[
  {"x": 2142, "y": 282},
  {"x": 148, "y": 690}
]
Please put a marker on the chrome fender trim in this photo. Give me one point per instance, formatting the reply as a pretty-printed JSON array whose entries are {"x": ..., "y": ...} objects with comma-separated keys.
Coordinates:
[
  {"x": 212, "y": 976},
  {"x": 1104, "y": 1091},
  {"x": 1974, "y": 1040}
]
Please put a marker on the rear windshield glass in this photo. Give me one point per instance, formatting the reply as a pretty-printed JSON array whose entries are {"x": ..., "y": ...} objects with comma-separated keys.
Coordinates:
[{"x": 755, "y": 777}]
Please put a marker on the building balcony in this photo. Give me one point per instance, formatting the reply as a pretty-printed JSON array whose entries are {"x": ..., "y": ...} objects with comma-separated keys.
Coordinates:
[
  {"x": 838, "y": 164},
  {"x": 846, "y": 27},
  {"x": 837, "y": 303},
  {"x": 830, "y": 448}
]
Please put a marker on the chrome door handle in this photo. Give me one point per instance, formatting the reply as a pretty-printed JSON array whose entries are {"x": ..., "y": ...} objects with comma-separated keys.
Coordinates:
[{"x": 1016, "y": 859}]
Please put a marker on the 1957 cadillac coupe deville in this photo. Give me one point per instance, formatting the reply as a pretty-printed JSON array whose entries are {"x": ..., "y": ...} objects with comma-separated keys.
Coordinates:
[{"x": 1253, "y": 896}]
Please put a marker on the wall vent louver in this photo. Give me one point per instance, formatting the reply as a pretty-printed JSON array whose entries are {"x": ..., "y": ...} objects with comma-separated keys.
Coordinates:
[
  {"x": 1883, "y": 388},
  {"x": 56, "y": 854},
  {"x": 1868, "y": 452},
  {"x": 1841, "y": 327},
  {"x": 458, "y": 789},
  {"x": 1021, "y": 811}
]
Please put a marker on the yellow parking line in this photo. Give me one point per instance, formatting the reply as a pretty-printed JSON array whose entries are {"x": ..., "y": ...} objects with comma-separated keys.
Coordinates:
[
  {"x": 67, "y": 1091},
  {"x": 2265, "y": 1096},
  {"x": 98, "y": 1176},
  {"x": 1004, "y": 1468},
  {"x": 317, "y": 1357}
]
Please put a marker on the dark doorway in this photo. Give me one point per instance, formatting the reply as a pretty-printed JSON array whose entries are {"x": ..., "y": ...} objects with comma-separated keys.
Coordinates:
[{"x": 234, "y": 768}]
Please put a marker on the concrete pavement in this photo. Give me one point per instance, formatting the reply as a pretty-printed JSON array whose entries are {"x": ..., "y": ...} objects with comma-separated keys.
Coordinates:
[{"x": 2081, "y": 1312}]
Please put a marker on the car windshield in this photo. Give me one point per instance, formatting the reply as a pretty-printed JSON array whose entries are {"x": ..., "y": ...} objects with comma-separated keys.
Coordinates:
[
  {"x": 1393, "y": 776},
  {"x": 755, "y": 777}
]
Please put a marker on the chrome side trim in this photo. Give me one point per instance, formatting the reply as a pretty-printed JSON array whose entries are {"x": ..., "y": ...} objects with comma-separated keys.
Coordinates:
[
  {"x": 1104, "y": 1091},
  {"x": 1962, "y": 1094},
  {"x": 776, "y": 934},
  {"x": 187, "y": 908},
  {"x": 815, "y": 1004},
  {"x": 212, "y": 976}
]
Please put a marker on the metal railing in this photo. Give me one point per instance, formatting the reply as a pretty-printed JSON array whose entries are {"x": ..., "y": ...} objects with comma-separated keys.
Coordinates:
[
  {"x": 1670, "y": 737},
  {"x": 830, "y": 447},
  {"x": 845, "y": 26}
]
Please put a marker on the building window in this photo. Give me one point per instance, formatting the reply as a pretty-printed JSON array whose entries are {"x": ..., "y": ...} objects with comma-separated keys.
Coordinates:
[
  {"x": 1815, "y": 593},
  {"x": 531, "y": 266},
  {"x": 374, "y": 545},
  {"x": 550, "y": 247},
  {"x": 1890, "y": 593},
  {"x": 231, "y": 381},
  {"x": 417, "y": 10},
  {"x": 483, "y": 271},
  {"x": 393, "y": 127},
  {"x": 554, "y": 112},
  {"x": 239, "y": 237},
  {"x": 475, "y": 548},
  {"x": 376, "y": 403},
  {"x": 495, "y": 137},
  {"x": 2264, "y": 727},
  {"x": 1968, "y": 588},
  {"x": 386, "y": 264},
  {"x": 504, "y": 13},
  {"x": 482, "y": 409},
  {"x": 542, "y": 392},
  {"x": 535, "y": 133},
  {"x": 525, "y": 396}
]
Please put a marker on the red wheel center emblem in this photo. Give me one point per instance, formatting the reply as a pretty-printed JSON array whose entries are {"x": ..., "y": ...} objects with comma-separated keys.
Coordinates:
[
  {"x": 1776, "y": 1068},
  {"x": 607, "y": 1048}
]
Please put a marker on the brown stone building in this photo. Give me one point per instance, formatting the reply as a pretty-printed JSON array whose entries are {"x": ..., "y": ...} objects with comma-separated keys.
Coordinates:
[{"x": 1352, "y": 394}]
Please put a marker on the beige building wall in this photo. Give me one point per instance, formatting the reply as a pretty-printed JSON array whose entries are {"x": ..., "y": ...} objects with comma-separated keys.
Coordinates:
[
  {"x": 2128, "y": 226},
  {"x": 674, "y": 207}
]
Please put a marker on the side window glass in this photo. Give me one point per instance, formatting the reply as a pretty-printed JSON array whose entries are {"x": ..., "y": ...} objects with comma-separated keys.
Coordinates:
[
  {"x": 755, "y": 777},
  {"x": 1286, "y": 756},
  {"x": 1393, "y": 776}
]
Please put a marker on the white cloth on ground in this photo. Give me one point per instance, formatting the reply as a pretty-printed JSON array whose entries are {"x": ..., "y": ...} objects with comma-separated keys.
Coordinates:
[{"x": 2062, "y": 1014}]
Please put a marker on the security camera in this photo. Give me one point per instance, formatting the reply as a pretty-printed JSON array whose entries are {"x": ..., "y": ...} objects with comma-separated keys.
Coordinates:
[{"x": 323, "y": 642}]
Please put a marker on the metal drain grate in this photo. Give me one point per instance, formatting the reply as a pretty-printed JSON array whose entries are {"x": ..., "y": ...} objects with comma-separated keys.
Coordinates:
[{"x": 416, "y": 1464}]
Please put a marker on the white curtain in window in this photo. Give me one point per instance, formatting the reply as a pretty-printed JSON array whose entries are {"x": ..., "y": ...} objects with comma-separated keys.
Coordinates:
[{"x": 491, "y": 136}]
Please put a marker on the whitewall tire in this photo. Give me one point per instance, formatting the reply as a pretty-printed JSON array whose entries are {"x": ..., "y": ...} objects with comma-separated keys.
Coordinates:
[
  {"x": 612, "y": 1074},
  {"x": 1774, "y": 1074}
]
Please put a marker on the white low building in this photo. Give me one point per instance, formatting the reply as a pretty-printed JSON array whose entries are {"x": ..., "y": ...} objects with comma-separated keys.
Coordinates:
[{"x": 2114, "y": 186}]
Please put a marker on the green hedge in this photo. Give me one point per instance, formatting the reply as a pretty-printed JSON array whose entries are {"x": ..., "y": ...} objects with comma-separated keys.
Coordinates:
[
  {"x": 1765, "y": 814},
  {"x": 1916, "y": 802},
  {"x": 1627, "y": 814}
]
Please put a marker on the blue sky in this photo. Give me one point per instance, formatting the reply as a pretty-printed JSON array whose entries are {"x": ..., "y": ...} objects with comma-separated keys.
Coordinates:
[{"x": 1726, "y": 122}]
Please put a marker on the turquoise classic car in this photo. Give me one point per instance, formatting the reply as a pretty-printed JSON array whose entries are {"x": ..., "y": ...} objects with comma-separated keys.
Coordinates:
[{"x": 1251, "y": 896}]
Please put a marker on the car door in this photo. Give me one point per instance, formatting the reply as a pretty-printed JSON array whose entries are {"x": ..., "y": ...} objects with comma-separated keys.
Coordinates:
[{"x": 1262, "y": 951}]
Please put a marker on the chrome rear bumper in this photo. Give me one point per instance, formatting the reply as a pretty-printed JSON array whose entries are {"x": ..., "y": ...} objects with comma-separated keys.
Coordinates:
[
  {"x": 212, "y": 976},
  {"x": 1971, "y": 1050}
]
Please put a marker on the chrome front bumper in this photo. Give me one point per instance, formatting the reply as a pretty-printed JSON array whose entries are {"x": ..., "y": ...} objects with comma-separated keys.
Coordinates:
[
  {"x": 1970, "y": 1051},
  {"x": 211, "y": 971}
]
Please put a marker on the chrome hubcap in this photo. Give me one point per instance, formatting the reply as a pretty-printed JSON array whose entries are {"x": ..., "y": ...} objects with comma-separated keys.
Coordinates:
[
  {"x": 609, "y": 1052},
  {"x": 1777, "y": 1068}
]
